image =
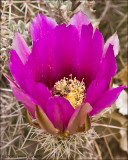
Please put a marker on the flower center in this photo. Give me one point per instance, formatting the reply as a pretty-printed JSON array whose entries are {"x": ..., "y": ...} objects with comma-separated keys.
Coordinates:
[{"x": 72, "y": 89}]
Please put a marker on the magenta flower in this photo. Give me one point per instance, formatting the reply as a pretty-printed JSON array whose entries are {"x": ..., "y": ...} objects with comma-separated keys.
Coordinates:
[{"x": 67, "y": 75}]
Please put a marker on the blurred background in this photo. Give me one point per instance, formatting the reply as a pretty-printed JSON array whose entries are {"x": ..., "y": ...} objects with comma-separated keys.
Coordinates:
[{"x": 109, "y": 16}]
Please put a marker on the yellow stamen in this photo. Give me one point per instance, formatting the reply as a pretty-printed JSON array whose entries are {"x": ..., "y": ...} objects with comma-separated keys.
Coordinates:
[{"x": 72, "y": 89}]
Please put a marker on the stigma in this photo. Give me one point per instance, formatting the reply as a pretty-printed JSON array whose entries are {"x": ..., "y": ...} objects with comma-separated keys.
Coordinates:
[{"x": 71, "y": 89}]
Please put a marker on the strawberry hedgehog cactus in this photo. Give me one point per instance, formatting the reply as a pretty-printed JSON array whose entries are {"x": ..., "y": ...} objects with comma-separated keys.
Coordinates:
[{"x": 65, "y": 79}]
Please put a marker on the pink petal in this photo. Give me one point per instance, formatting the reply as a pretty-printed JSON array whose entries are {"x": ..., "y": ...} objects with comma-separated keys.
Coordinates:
[
  {"x": 41, "y": 62},
  {"x": 90, "y": 54},
  {"x": 38, "y": 91},
  {"x": 96, "y": 90},
  {"x": 22, "y": 75},
  {"x": 27, "y": 100},
  {"x": 78, "y": 20},
  {"x": 96, "y": 54},
  {"x": 59, "y": 111},
  {"x": 19, "y": 71},
  {"x": 40, "y": 26},
  {"x": 109, "y": 67},
  {"x": 113, "y": 40},
  {"x": 78, "y": 117},
  {"x": 21, "y": 47},
  {"x": 107, "y": 99},
  {"x": 50, "y": 64},
  {"x": 17, "y": 68},
  {"x": 66, "y": 45}
]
